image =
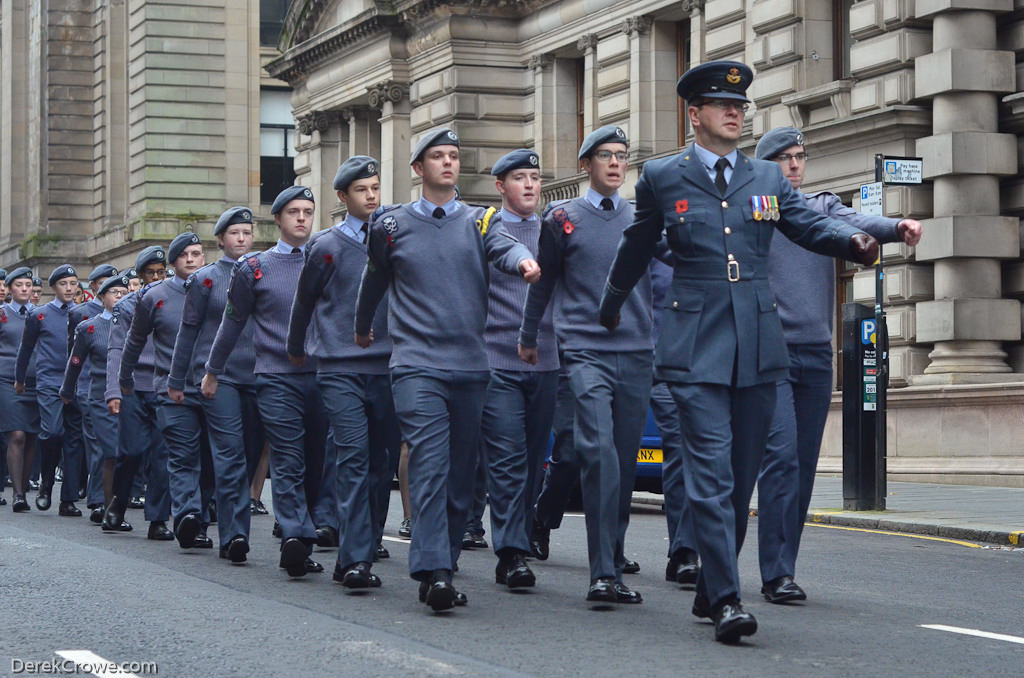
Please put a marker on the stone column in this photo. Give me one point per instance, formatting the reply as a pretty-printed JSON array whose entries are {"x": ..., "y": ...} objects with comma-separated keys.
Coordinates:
[
  {"x": 363, "y": 136},
  {"x": 545, "y": 124},
  {"x": 588, "y": 45},
  {"x": 315, "y": 125},
  {"x": 392, "y": 100},
  {"x": 642, "y": 99},
  {"x": 964, "y": 76}
]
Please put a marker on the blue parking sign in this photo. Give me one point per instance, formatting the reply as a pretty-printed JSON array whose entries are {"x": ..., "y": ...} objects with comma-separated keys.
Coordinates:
[{"x": 867, "y": 331}]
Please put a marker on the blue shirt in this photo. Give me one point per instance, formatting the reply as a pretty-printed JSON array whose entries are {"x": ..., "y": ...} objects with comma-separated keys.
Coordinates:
[
  {"x": 708, "y": 159},
  {"x": 285, "y": 248},
  {"x": 426, "y": 208},
  {"x": 352, "y": 227},
  {"x": 595, "y": 198},
  {"x": 513, "y": 218},
  {"x": 176, "y": 281}
]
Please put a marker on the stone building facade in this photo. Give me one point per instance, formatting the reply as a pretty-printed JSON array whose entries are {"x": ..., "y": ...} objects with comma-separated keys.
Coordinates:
[
  {"x": 930, "y": 78},
  {"x": 126, "y": 122}
]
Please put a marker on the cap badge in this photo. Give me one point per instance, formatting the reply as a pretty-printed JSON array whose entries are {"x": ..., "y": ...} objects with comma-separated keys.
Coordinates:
[
  {"x": 308, "y": 194},
  {"x": 159, "y": 254},
  {"x": 800, "y": 139},
  {"x": 733, "y": 77},
  {"x": 619, "y": 133},
  {"x": 452, "y": 136},
  {"x": 246, "y": 215},
  {"x": 534, "y": 160},
  {"x": 371, "y": 168}
]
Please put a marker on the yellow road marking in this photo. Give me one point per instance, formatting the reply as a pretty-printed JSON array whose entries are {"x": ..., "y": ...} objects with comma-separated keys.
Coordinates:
[{"x": 900, "y": 534}]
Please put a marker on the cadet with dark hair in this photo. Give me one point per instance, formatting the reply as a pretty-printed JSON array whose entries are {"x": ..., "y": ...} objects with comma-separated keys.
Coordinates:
[
  {"x": 723, "y": 383},
  {"x": 47, "y": 327},
  {"x": 290, "y": 404},
  {"x": 432, "y": 254},
  {"x": 139, "y": 435}
]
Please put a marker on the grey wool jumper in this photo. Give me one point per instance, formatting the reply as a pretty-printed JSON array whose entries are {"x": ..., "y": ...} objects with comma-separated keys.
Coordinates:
[
  {"x": 157, "y": 313},
  {"x": 437, "y": 271},
  {"x": 120, "y": 323},
  {"x": 326, "y": 294},
  {"x": 262, "y": 287},
  {"x": 89, "y": 346},
  {"x": 206, "y": 295},
  {"x": 578, "y": 243},
  {"x": 506, "y": 298}
]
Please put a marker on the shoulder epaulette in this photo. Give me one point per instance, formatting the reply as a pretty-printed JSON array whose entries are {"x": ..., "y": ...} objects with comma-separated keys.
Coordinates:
[
  {"x": 384, "y": 209},
  {"x": 552, "y": 205},
  {"x": 142, "y": 292},
  {"x": 252, "y": 262}
]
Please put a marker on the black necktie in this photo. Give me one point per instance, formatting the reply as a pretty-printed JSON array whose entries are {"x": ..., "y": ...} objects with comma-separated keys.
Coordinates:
[
  {"x": 296, "y": 250},
  {"x": 607, "y": 205},
  {"x": 63, "y": 307},
  {"x": 720, "y": 183},
  {"x": 438, "y": 213},
  {"x": 365, "y": 230},
  {"x": 22, "y": 310}
]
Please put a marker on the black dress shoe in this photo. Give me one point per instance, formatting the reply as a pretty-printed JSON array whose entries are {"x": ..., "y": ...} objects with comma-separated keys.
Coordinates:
[
  {"x": 202, "y": 542},
  {"x": 732, "y": 622},
  {"x": 473, "y": 541},
  {"x": 783, "y": 590},
  {"x": 276, "y": 531},
  {"x": 113, "y": 522},
  {"x": 68, "y": 509},
  {"x": 327, "y": 537},
  {"x": 514, "y": 573},
  {"x": 682, "y": 571},
  {"x": 701, "y": 607},
  {"x": 187, "y": 531},
  {"x": 257, "y": 508},
  {"x": 235, "y": 550},
  {"x": 381, "y": 553},
  {"x": 43, "y": 499},
  {"x": 97, "y": 515},
  {"x": 405, "y": 529},
  {"x": 137, "y": 503},
  {"x": 293, "y": 557},
  {"x": 81, "y": 493},
  {"x": 33, "y": 485},
  {"x": 626, "y": 595},
  {"x": 602, "y": 590},
  {"x": 540, "y": 540},
  {"x": 631, "y": 567},
  {"x": 357, "y": 576},
  {"x": 312, "y": 567},
  {"x": 158, "y": 531},
  {"x": 3, "y": 502},
  {"x": 19, "y": 505}
]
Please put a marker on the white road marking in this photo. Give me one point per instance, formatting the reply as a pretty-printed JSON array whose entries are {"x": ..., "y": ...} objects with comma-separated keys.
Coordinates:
[
  {"x": 397, "y": 539},
  {"x": 974, "y": 632},
  {"x": 95, "y": 664}
]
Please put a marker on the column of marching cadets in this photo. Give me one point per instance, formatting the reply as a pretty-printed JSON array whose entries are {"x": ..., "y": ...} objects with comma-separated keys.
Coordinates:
[{"x": 452, "y": 343}]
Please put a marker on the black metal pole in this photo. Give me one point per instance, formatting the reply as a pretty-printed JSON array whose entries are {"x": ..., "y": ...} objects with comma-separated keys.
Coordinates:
[{"x": 882, "y": 356}]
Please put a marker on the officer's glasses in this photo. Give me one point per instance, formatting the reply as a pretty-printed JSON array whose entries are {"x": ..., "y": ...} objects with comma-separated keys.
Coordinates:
[
  {"x": 726, "y": 105},
  {"x": 786, "y": 157},
  {"x": 606, "y": 156}
]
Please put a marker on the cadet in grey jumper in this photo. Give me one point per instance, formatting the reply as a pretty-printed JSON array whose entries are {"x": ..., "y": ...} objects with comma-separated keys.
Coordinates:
[
  {"x": 433, "y": 255},
  {"x": 262, "y": 290},
  {"x": 804, "y": 286},
  {"x": 520, "y": 402},
  {"x": 609, "y": 374},
  {"x": 354, "y": 382}
]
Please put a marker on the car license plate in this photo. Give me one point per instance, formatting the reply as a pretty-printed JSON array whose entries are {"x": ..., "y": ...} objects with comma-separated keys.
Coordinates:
[{"x": 648, "y": 456}]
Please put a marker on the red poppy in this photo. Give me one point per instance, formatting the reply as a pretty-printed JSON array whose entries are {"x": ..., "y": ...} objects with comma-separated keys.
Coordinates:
[
  {"x": 90, "y": 329},
  {"x": 75, "y": 360},
  {"x": 160, "y": 303},
  {"x": 328, "y": 259},
  {"x": 257, "y": 274},
  {"x": 3, "y": 317},
  {"x": 41, "y": 317},
  {"x": 85, "y": 317},
  {"x": 682, "y": 206},
  {"x": 207, "y": 283},
  {"x": 568, "y": 227}
]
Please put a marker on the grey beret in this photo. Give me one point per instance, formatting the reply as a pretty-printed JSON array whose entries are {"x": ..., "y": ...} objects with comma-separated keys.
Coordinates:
[
  {"x": 102, "y": 271},
  {"x": 232, "y": 216},
  {"x": 521, "y": 158},
  {"x": 114, "y": 281},
  {"x": 356, "y": 167},
  {"x": 154, "y": 254},
  {"x": 20, "y": 272},
  {"x": 37, "y": 282},
  {"x": 602, "y": 135},
  {"x": 776, "y": 141},
  {"x": 437, "y": 137},
  {"x": 179, "y": 244},
  {"x": 61, "y": 272},
  {"x": 289, "y": 194}
]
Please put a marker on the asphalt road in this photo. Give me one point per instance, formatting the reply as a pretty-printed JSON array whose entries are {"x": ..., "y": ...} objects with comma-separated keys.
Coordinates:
[{"x": 66, "y": 586}]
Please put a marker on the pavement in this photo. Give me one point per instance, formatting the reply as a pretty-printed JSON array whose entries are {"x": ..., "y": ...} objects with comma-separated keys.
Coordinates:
[{"x": 993, "y": 515}]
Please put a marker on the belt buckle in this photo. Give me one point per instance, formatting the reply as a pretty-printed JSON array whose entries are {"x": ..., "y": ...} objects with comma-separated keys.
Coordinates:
[{"x": 733, "y": 270}]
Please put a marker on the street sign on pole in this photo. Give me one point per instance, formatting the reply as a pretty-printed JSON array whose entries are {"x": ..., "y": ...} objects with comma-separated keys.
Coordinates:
[
  {"x": 899, "y": 170},
  {"x": 871, "y": 199}
]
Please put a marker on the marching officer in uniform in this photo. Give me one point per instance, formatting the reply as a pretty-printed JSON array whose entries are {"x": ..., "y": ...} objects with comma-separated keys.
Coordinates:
[
  {"x": 354, "y": 382},
  {"x": 432, "y": 254},
  {"x": 47, "y": 328},
  {"x": 290, "y": 403},
  {"x": 158, "y": 313},
  {"x": 804, "y": 285},
  {"x": 520, "y": 402},
  {"x": 139, "y": 437},
  {"x": 721, "y": 348},
  {"x": 231, "y": 415},
  {"x": 609, "y": 375},
  {"x": 21, "y": 410}
]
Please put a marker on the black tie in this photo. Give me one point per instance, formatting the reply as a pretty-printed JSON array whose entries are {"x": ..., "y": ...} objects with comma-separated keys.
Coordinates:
[
  {"x": 438, "y": 213},
  {"x": 296, "y": 250},
  {"x": 720, "y": 183},
  {"x": 63, "y": 307},
  {"x": 607, "y": 205},
  {"x": 21, "y": 310},
  {"x": 365, "y": 230}
]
